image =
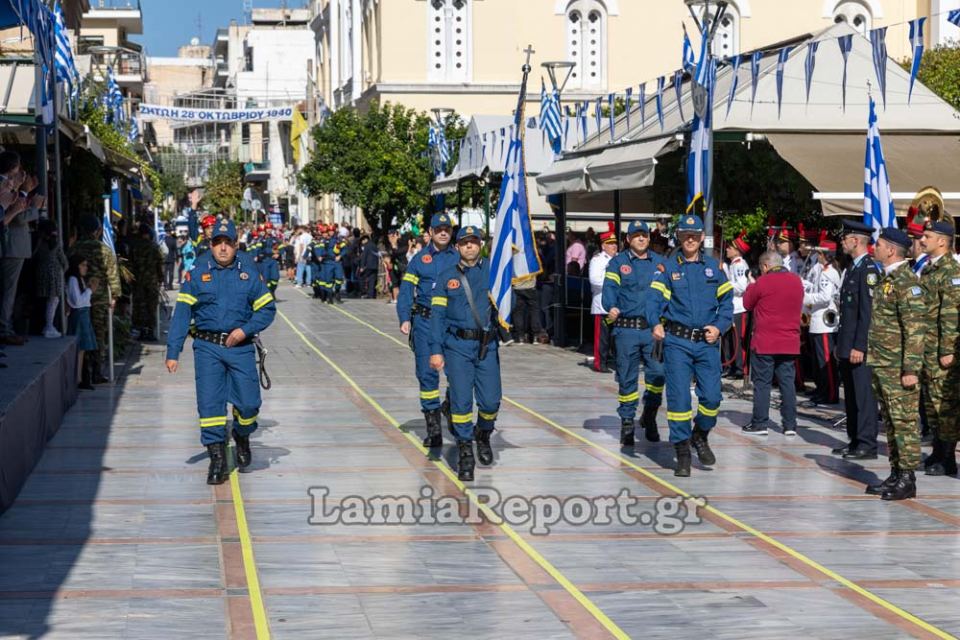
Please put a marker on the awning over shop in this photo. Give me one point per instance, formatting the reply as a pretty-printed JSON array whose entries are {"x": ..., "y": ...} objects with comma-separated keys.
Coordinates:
[
  {"x": 617, "y": 168},
  {"x": 121, "y": 163}
]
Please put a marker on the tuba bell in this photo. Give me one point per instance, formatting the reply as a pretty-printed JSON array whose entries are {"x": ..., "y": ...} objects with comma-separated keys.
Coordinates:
[{"x": 831, "y": 318}]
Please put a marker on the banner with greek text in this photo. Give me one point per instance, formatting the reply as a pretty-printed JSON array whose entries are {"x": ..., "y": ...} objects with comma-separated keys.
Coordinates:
[{"x": 187, "y": 114}]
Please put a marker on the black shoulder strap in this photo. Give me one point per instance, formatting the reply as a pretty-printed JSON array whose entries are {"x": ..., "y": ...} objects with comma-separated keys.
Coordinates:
[{"x": 469, "y": 291}]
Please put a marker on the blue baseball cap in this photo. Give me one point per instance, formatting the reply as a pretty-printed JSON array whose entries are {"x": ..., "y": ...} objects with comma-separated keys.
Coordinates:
[
  {"x": 638, "y": 226},
  {"x": 896, "y": 236},
  {"x": 225, "y": 229},
  {"x": 440, "y": 220},
  {"x": 468, "y": 231},
  {"x": 855, "y": 227},
  {"x": 943, "y": 227},
  {"x": 690, "y": 222}
]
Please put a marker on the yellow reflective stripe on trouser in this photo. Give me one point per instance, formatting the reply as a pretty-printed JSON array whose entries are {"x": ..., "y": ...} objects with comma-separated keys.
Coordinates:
[
  {"x": 710, "y": 413},
  {"x": 679, "y": 416},
  {"x": 409, "y": 277},
  {"x": 653, "y": 388},
  {"x": 430, "y": 395},
  {"x": 262, "y": 301},
  {"x": 612, "y": 276},
  {"x": 462, "y": 418},
  {"x": 187, "y": 298},
  {"x": 722, "y": 289},
  {"x": 488, "y": 416},
  {"x": 630, "y": 397},
  {"x": 219, "y": 421},
  {"x": 662, "y": 288},
  {"x": 438, "y": 301}
]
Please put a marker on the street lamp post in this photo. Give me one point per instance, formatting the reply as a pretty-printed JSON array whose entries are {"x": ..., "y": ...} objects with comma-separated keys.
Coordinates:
[{"x": 707, "y": 15}]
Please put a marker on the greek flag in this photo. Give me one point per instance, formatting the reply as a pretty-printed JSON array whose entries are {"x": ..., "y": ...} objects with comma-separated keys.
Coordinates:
[
  {"x": 582, "y": 119},
  {"x": 513, "y": 255},
  {"x": 810, "y": 65},
  {"x": 878, "y": 38},
  {"x": 66, "y": 70},
  {"x": 916, "y": 42},
  {"x": 550, "y": 117},
  {"x": 158, "y": 231},
  {"x": 781, "y": 63},
  {"x": 754, "y": 76},
  {"x": 107, "y": 237},
  {"x": 678, "y": 88},
  {"x": 629, "y": 103},
  {"x": 598, "y": 113},
  {"x": 878, "y": 209},
  {"x": 953, "y": 17},
  {"x": 437, "y": 140},
  {"x": 699, "y": 161},
  {"x": 114, "y": 102},
  {"x": 689, "y": 59},
  {"x": 134, "y": 134},
  {"x": 735, "y": 62},
  {"x": 846, "y": 45}
]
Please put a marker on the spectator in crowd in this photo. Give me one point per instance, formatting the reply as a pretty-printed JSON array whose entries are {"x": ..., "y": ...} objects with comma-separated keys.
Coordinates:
[
  {"x": 79, "y": 292},
  {"x": 776, "y": 302},
  {"x": 415, "y": 247},
  {"x": 369, "y": 267},
  {"x": 188, "y": 255},
  {"x": 301, "y": 251},
  {"x": 576, "y": 254},
  {"x": 395, "y": 263},
  {"x": 546, "y": 281},
  {"x": 19, "y": 203},
  {"x": 601, "y": 328},
  {"x": 51, "y": 263},
  {"x": 170, "y": 257}
]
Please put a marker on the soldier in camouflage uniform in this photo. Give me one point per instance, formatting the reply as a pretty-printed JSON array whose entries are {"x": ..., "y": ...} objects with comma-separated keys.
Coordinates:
[
  {"x": 895, "y": 352},
  {"x": 940, "y": 279},
  {"x": 101, "y": 264},
  {"x": 146, "y": 263}
]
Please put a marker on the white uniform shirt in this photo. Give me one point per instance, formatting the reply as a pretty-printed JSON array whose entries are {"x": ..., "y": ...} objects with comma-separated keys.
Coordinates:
[
  {"x": 821, "y": 296},
  {"x": 738, "y": 273},
  {"x": 598, "y": 269}
]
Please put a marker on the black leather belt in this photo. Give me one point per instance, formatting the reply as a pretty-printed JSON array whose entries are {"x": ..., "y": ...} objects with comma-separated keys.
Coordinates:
[
  {"x": 216, "y": 337},
  {"x": 631, "y": 323},
  {"x": 471, "y": 334},
  {"x": 683, "y": 331},
  {"x": 420, "y": 310}
]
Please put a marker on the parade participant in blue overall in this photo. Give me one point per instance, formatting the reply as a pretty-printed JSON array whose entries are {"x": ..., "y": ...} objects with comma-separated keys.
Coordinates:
[
  {"x": 269, "y": 267},
  {"x": 339, "y": 276},
  {"x": 319, "y": 251},
  {"x": 229, "y": 305},
  {"x": 690, "y": 307},
  {"x": 464, "y": 340},
  {"x": 413, "y": 312},
  {"x": 327, "y": 268},
  {"x": 626, "y": 287}
]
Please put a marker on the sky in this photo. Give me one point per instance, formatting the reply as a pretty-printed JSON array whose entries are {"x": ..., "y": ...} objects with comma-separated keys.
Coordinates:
[{"x": 169, "y": 24}]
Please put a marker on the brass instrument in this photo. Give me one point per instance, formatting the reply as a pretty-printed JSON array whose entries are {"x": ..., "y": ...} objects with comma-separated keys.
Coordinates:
[
  {"x": 831, "y": 318},
  {"x": 804, "y": 319},
  {"x": 929, "y": 204}
]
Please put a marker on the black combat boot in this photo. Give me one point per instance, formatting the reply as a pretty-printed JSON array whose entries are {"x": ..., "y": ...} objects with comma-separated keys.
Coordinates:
[
  {"x": 244, "y": 455},
  {"x": 434, "y": 439},
  {"x": 947, "y": 464},
  {"x": 330, "y": 299},
  {"x": 905, "y": 487},
  {"x": 484, "y": 450},
  {"x": 648, "y": 420},
  {"x": 626, "y": 432},
  {"x": 703, "y": 447},
  {"x": 683, "y": 459},
  {"x": 445, "y": 410},
  {"x": 339, "y": 296},
  {"x": 217, "y": 473},
  {"x": 465, "y": 463},
  {"x": 936, "y": 454},
  {"x": 879, "y": 488}
]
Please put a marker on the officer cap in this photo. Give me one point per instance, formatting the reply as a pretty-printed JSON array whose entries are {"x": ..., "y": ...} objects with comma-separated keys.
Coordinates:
[
  {"x": 225, "y": 229},
  {"x": 440, "y": 220},
  {"x": 854, "y": 227},
  {"x": 943, "y": 227},
  {"x": 690, "y": 222},
  {"x": 896, "y": 236},
  {"x": 638, "y": 226},
  {"x": 468, "y": 231}
]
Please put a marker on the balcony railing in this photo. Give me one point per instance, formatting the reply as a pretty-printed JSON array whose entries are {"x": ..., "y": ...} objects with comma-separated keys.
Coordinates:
[{"x": 124, "y": 63}]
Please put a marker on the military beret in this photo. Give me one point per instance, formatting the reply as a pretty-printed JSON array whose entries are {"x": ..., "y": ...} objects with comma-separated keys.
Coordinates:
[
  {"x": 690, "y": 222},
  {"x": 853, "y": 227},
  {"x": 468, "y": 231},
  {"x": 896, "y": 236},
  {"x": 440, "y": 220},
  {"x": 638, "y": 226},
  {"x": 943, "y": 227}
]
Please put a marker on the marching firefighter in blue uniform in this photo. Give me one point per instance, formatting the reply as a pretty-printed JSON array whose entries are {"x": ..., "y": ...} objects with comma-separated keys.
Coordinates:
[
  {"x": 463, "y": 339},
  {"x": 413, "y": 312},
  {"x": 626, "y": 287},
  {"x": 267, "y": 263},
  {"x": 339, "y": 276},
  {"x": 318, "y": 250},
  {"x": 690, "y": 307},
  {"x": 229, "y": 304}
]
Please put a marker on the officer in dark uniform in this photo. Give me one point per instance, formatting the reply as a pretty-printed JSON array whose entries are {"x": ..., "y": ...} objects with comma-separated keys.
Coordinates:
[
  {"x": 413, "y": 312},
  {"x": 856, "y": 305},
  {"x": 689, "y": 307},
  {"x": 464, "y": 339},
  {"x": 229, "y": 304},
  {"x": 626, "y": 286}
]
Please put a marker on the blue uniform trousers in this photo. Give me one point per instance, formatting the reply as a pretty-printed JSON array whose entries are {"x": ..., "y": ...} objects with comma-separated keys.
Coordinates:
[
  {"x": 226, "y": 375},
  {"x": 683, "y": 360},
  {"x": 633, "y": 347},
  {"x": 326, "y": 275},
  {"x": 428, "y": 378},
  {"x": 338, "y": 275},
  {"x": 468, "y": 376}
]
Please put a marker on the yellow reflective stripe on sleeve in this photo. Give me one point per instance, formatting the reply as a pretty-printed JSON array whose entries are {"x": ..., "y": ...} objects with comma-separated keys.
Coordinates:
[
  {"x": 612, "y": 276},
  {"x": 186, "y": 298},
  {"x": 462, "y": 418},
  {"x": 710, "y": 413},
  {"x": 679, "y": 416},
  {"x": 430, "y": 395},
  {"x": 218, "y": 421},
  {"x": 630, "y": 397},
  {"x": 262, "y": 301},
  {"x": 438, "y": 301},
  {"x": 409, "y": 277},
  {"x": 662, "y": 288},
  {"x": 722, "y": 289},
  {"x": 653, "y": 388},
  {"x": 487, "y": 416},
  {"x": 246, "y": 422}
]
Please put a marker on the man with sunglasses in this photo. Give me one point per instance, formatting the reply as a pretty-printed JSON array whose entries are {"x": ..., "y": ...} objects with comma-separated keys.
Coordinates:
[
  {"x": 414, "y": 309},
  {"x": 230, "y": 304},
  {"x": 691, "y": 308}
]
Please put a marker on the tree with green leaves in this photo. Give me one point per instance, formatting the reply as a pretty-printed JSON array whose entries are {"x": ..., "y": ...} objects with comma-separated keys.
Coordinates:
[
  {"x": 940, "y": 72},
  {"x": 377, "y": 160},
  {"x": 223, "y": 191}
]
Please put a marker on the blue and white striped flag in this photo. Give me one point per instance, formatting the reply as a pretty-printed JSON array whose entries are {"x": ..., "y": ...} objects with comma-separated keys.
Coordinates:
[
  {"x": 661, "y": 81},
  {"x": 754, "y": 76},
  {"x": 689, "y": 60},
  {"x": 916, "y": 43},
  {"x": 437, "y": 140},
  {"x": 643, "y": 105},
  {"x": 629, "y": 104},
  {"x": 550, "y": 117},
  {"x": 735, "y": 83},
  {"x": 781, "y": 63},
  {"x": 878, "y": 38},
  {"x": 878, "y": 211},
  {"x": 810, "y": 64},
  {"x": 699, "y": 160},
  {"x": 582, "y": 109},
  {"x": 611, "y": 118},
  {"x": 64, "y": 65},
  {"x": 846, "y": 45},
  {"x": 598, "y": 113},
  {"x": 158, "y": 231},
  {"x": 953, "y": 17},
  {"x": 678, "y": 89},
  {"x": 134, "y": 130},
  {"x": 114, "y": 101}
]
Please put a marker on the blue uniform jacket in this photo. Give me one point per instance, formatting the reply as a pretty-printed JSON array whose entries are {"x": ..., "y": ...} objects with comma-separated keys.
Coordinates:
[
  {"x": 418, "y": 282},
  {"x": 626, "y": 284},
  {"x": 695, "y": 293},
  {"x": 856, "y": 305},
  {"x": 451, "y": 310},
  {"x": 221, "y": 299}
]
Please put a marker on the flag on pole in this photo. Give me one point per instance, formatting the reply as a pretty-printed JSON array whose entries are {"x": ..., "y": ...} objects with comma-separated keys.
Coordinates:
[
  {"x": 810, "y": 65},
  {"x": 781, "y": 63},
  {"x": 699, "y": 160},
  {"x": 116, "y": 207},
  {"x": 754, "y": 76},
  {"x": 735, "y": 63},
  {"x": 64, "y": 65},
  {"x": 916, "y": 43},
  {"x": 953, "y": 17},
  {"x": 878, "y": 38},
  {"x": 298, "y": 134},
  {"x": 846, "y": 45},
  {"x": 114, "y": 101},
  {"x": 550, "y": 117},
  {"x": 678, "y": 88},
  {"x": 661, "y": 81},
  {"x": 878, "y": 210},
  {"x": 611, "y": 118},
  {"x": 689, "y": 60}
]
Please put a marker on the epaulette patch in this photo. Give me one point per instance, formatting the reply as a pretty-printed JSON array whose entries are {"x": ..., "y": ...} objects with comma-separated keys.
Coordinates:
[
  {"x": 916, "y": 291},
  {"x": 676, "y": 275},
  {"x": 871, "y": 279}
]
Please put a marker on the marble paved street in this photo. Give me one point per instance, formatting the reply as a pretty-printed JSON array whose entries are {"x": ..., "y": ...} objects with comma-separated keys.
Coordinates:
[{"x": 116, "y": 534}]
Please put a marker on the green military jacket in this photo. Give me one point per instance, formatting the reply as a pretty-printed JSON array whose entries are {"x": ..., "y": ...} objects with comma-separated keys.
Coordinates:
[
  {"x": 101, "y": 264},
  {"x": 897, "y": 322},
  {"x": 941, "y": 288},
  {"x": 146, "y": 263}
]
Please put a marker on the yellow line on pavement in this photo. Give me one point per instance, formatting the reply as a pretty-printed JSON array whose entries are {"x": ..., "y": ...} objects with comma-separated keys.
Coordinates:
[
  {"x": 491, "y": 516},
  {"x": 249, "y": 563},
  {"x": 793, "y": 553}
]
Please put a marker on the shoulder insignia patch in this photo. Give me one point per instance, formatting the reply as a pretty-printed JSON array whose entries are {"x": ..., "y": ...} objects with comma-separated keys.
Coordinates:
[
  {"x": 453, "y": 283},
  {"x": 916, "y": 291},
  {"x": 871, "y": 279},
  {"x": 206, "y": 277},
  {"x": 676, "y": 275},
  {"x": 956, "y": 282},
  {"x": 626, "y": 269},
  {"x": 244, "y": 275},
  {"x": 661, "y": 268},
  {"x": 427, "y": 258}
]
